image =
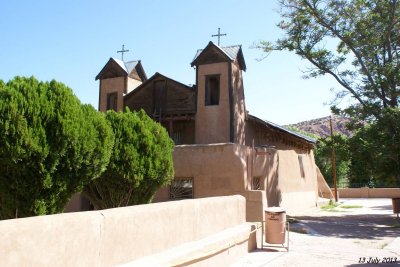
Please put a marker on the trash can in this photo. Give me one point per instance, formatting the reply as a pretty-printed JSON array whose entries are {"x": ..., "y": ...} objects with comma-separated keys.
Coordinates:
[
  {"x": 275, "y": 225},
  {"x": 396, "y": 205}
]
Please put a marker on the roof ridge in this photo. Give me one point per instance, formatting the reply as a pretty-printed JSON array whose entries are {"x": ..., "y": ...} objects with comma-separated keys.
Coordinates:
[
  {"x": 117, "y": 59},
  {"x": 231, "y": 46},
  {"x": 135, "y": 60}
]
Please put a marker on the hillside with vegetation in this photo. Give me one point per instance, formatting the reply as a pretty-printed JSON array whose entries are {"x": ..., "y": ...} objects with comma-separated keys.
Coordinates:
[{"x": 320, "y": 126}]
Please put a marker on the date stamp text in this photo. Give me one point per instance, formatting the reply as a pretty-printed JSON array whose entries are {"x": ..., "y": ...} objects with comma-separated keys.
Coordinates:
[{"x": 378, "y": 260}]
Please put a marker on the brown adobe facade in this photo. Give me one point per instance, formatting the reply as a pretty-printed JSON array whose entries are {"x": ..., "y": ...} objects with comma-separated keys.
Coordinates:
[{"x": 221, "y": 149}]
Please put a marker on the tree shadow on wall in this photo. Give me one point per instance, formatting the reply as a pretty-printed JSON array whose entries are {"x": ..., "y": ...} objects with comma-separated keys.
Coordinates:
[{"x": 274, "y": 194}]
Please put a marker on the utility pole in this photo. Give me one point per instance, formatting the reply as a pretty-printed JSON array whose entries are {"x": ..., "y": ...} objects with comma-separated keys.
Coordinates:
[{"x": 333, "y": 163}]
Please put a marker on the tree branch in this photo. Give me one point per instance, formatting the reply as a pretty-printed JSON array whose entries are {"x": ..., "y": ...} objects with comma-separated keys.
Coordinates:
[{"x": 347, "y": 41}]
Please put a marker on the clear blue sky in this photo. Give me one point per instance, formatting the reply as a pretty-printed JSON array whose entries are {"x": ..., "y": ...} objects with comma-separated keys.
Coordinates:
[{"x": 70, "y": 41}]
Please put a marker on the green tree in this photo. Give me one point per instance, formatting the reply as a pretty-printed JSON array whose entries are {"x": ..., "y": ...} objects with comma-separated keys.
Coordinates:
[
  {"x": 323, "y": 159},
  {"x": 376, "y": 153},
  {"x": 141, "y": 162},
  {"x": 50, "y": 146},
  {"x": 357, "y": 42}
]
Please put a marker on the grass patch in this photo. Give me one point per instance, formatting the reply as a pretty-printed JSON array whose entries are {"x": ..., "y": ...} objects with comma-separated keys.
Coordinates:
[
  {"x": 350, "y": 206},
  {"x": 336, "y": 207},
  {"x": 396, "y": 225},
  {"x": 329, "y": 207}
]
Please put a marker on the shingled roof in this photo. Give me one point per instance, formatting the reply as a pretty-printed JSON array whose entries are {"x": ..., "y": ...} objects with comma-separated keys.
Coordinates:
[
  {"x": 282, "y": 129},
  {"x": 232, "y": 53}
]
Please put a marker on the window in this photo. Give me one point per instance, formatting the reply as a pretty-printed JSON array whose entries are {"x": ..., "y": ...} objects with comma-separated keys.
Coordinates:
[
  {"x": 212, "y": 90},
  {"x": 181, "y": 188},
  {"x": 256, "y": 183},
  {"x": 112, "y": 101},
  {"x": 301, "y": 166}
]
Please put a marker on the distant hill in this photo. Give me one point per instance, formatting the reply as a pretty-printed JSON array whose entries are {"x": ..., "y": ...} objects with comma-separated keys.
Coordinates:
[{"x": 321, "y": 126}]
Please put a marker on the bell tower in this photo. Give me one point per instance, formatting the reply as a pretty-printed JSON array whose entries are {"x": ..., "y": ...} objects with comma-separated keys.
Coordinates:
[
  {"x": 117, "y": 78},
  {"x": 221, "y": 108}
]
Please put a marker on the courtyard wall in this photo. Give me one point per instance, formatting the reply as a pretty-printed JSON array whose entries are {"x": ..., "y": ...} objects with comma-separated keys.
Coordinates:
[
  {"x": 117, "y": 236},
  {"x": 366, "y": 192}
]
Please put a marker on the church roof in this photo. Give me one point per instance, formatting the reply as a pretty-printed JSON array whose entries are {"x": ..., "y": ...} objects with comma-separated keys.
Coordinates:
[
  {"x": 155, "y": 76},
  {"x": 117, "y": 68},
  {"x": 232, "y": 53},
  {"x": 282, "y": 129}
]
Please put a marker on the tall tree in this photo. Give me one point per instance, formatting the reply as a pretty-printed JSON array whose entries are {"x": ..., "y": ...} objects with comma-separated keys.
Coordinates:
[
  {"x": 356, "y": 42},
  {"x": 50, "y": 146},
  {"x": 375, "y": 152},
  {"x": 141, "y": 162}
]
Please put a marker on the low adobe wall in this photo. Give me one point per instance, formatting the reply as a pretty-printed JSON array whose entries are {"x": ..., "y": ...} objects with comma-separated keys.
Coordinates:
[
  {"x": 116, "y": 236},
  {"x": 366, "y": 192},
  {"x": 256, "y": 203}
]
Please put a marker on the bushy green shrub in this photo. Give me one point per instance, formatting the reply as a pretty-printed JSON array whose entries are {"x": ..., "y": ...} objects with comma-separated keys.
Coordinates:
[
  {"x": 141, "y": 162},
  {"x": 50, "y": 146}
]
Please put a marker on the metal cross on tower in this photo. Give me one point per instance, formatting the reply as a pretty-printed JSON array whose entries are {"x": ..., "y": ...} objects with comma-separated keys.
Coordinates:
[
  {"x": 123, "y": 51},
  {"x": 218, "y": 35}
]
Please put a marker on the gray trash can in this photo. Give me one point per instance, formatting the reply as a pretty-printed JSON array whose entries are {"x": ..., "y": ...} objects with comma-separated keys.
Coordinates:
[{"x": 275, "y": 225}]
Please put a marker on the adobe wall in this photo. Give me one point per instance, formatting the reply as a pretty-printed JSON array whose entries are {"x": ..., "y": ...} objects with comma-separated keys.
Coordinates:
[
  {"x": 239, "y": 107},
  {"x": 297, "y": 192},
  {"x": 111, "y": 85},
  {"x": 117, "y": 236},
  {"x": 226, "y": 169},
  {"x": 77, "y": 203},
  {"x": 366, "y": 192},
  {"x": 217, "y": 169},
  {"x": 266, "y": 167},
  {"x": 212, "y": 122},
  {"x": 282, "y": 180}
]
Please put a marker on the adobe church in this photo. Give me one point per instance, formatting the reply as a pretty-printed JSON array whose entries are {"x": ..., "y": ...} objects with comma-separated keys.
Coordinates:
[{"x": 220, "y": 149}]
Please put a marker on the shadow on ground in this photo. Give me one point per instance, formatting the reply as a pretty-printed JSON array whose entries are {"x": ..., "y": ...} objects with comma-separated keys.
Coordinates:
[
  {"x": 385, "y": 207},
  {"x": 353, "y": 226}
]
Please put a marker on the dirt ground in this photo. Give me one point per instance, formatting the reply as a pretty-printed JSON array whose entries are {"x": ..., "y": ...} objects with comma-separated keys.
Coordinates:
[{"x": 366, "y": 233}]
